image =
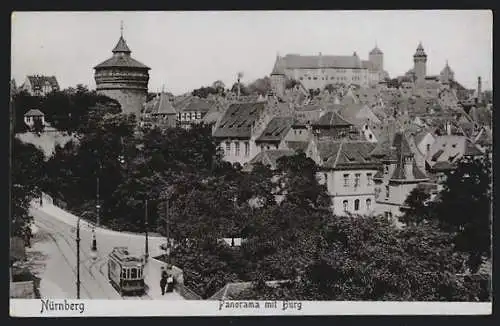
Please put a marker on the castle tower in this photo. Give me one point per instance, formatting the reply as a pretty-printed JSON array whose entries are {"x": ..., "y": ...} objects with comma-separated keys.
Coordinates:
[
  {"x": 420, "y": 64},
  {"x": 278, "y": 77},
  {"x": 447, "y": 74},
  {"x": 376, "y": 57},
  {"x": 123, "y": 78}
]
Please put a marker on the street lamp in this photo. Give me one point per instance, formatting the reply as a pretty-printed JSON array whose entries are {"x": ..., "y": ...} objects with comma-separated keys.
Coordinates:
[
  {"x": 78, "y": 258},
  {"x": 98, "y": 217}
]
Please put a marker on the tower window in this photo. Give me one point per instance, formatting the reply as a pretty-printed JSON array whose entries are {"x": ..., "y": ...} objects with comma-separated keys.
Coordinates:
[
  {"x": 237, "y": 149},
  {"x": 368, "y": 204},
  {"x": 346, "y": 180},
  {"x": 369, "y": 178},
  {"x": 356, "y": 205},
  {"x": 228, "y": 147},
  {"x": 247, "y": 149},
  {"x": 344, "y": 203}
]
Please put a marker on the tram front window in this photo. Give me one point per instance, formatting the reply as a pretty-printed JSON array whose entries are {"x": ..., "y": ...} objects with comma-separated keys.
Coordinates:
[
  {"x": 124, "y": 275},
  {"x": 133, "y": 273}
]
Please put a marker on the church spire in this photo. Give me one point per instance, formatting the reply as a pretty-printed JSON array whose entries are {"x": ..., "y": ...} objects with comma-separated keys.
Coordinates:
[{"x": 121, "y": 46}]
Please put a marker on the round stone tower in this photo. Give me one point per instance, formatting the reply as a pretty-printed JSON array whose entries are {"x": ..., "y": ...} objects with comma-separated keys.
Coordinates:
[{"x": 123, "y": 78}]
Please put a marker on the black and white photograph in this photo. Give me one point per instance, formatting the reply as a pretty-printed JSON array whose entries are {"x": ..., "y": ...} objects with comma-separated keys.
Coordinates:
[{"x": 251, "y": 162}]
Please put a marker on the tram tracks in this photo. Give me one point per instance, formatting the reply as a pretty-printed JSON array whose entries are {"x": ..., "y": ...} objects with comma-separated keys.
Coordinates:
[
  {"x": 57, "y": 230},
  {"x": 94, "y": 266}
]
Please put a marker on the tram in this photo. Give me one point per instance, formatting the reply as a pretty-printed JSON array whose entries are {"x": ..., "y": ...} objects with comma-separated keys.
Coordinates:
[{"x": 125, "y": 272}]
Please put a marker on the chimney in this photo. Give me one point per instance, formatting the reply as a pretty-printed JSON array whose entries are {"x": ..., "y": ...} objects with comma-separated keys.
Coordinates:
[
  {"x": 448, "y": 128},
  {"x": 408, "y": 166},
  {"x": 479, "y": 89}
]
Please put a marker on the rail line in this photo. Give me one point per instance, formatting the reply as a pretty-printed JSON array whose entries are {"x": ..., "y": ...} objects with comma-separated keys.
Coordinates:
[{"x": 88, "y": 258}]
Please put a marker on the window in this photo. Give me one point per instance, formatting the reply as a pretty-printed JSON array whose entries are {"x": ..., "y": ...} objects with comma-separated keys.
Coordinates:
[
  {"x": 228, "y": 148},
  {"x": 369, "y": 178},
  {"x": 368, "y": 204},
  {"x": 428, "y": 147},
  {"x": 247, "y": 149},
  {"x": 346, "y": 180},
  {"x": 386, "y": 169},
  {"x": 386, "y": 191},
  {"x": 344, "y": 203},
  {"x": 183, "y": 116},
  {"x": 124, "y": 273},
  {"x": 357, "y": 176},
  {"x": 315, "y": 78},
  {"x": 198, "y": 115},
  {"x": 268, "y": 148},
  {"x": 366, "y": 127},
  {"x": 356, "y": 205},
  {"x": 133, "y": 274},
  {"x": 237, "y": 149},
  {"x": 370, "y": 136}
]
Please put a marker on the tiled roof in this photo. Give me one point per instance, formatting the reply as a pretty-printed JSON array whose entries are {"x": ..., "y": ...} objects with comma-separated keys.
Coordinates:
[
  {"x": 121, "y": 46},
  {"x": 420, "y": 135},
  {"x": 358, "y": 114},
  {"x": 270, "y": 157},
  {"x": 162, "y": 105},
  {"x": 276, "y": 129},
  {"x": 485, "y": 137},
  {"x": 279, "y": 66},
  {"x": 443, "y": 166},
  {"x": 297, "y": 145},
  {"x": 403, "y": 152},
  {"x": 346, "y": 154},
  {"x": 293, "y": 61},
  {"x": 121, "y": 58},
  {"x": 331, "y": 119},
  {"x": 450, "y": 149},
  {"x": 121, "y": 61},
  {"x": 400, "y": 173},
  {"x": 40, "y": 81},
  {"x": 195, "y": 103},
  {"x": 376, "y": 50},
  {"x": 238, "y": 119},
  {"x": 33, "y": 113}
]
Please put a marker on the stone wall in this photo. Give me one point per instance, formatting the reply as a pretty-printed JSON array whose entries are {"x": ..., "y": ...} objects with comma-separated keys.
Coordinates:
[{"x": 131, "y": 100}]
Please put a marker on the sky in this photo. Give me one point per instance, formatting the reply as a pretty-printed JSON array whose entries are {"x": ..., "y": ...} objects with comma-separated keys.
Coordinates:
[{"x": 187, "y": 50}]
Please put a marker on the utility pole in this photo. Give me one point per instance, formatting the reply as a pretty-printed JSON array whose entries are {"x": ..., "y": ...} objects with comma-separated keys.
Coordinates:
[
  {"x": 167, "y": 213},
  {"x": 146, "y": 227},
  {"x": 98, "y": 207},
  {"x": 78, "y": 258}
]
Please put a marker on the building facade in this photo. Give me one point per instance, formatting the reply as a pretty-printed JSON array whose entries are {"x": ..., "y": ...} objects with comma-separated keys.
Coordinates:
[
  {"x": 315, "y": 72},
  {"x": 40, "y": 85},
  {"x": 123, "y": 78},
  {"x": 347, "y": 169}
]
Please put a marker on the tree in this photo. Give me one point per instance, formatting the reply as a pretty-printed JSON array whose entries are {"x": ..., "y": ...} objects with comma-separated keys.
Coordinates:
[
  {"x": 290, "y": 83},
  {"x": 27, "y": 176},
  {"x": 464, "y": 208},
  {"x": 367, "y": 259},
  {"x": 38, "y": 126},
  {"x": 416, "y": 207},
  {"x": 261, "y": 86}
]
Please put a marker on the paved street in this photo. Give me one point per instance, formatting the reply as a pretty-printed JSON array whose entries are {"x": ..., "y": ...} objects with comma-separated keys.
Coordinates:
[{"x": 59, "y": 276}]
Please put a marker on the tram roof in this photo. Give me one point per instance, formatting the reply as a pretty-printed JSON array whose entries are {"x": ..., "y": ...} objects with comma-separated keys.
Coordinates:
[{"x": 123, "y": 255}]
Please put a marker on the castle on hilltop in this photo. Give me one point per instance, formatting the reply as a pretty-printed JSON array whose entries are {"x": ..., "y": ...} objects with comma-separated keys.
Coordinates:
[{"x": 315, "y": 72}]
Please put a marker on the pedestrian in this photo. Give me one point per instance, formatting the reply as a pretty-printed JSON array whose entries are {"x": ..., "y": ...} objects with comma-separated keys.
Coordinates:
[
  {"x": 41, "y": 200},
  {"x": 163, "y": 280}
]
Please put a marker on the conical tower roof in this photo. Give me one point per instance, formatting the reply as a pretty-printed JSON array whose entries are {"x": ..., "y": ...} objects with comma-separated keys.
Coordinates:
[
  {"x": 447, "y": 69},
  {"x": 279, "y": 66},
  {"x": 420, "y": 51},
  {"x": 376, "y": 50},
  {"x": 121, "y": 46}
]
